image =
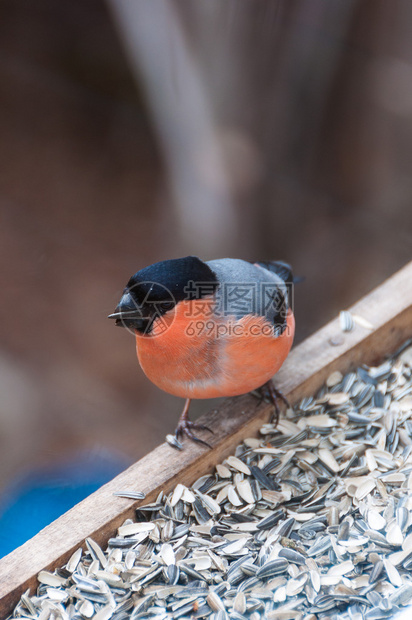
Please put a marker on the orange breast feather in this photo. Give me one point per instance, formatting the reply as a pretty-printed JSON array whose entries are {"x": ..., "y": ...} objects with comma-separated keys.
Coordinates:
[{"x": 203, "y": 356}]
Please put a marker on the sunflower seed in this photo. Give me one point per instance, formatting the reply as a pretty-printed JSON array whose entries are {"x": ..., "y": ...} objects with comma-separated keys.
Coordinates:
[
  {"x": 74, "y": 560},
  {"x": 135, "y": 528},
  {"x": 292, "y": 556},
  {"x": 346, "y": 321},
  {"x": 130, "y": 494},
  {"x": 96, "y": 552},
  {"x": 215, "y": 602},
  {"x": 50, "y": 579},
  {"x": 402, "y": 596},
  {"x": 334, "y": 379},
  {"x": 236, "y": 463},
  {"x": 362, "y": 322},
  {"x": 375, "y": 520},
  {"x": 174, "y": 442},
  {"x": 338, "y": 398},
  {"x": 392, "y": 573},
  {"x": 272, "y": 568},
  {"x": 376, "y": 571},
  {"x": 394, "y": 535},
  {"x": 314, "y": 519}
]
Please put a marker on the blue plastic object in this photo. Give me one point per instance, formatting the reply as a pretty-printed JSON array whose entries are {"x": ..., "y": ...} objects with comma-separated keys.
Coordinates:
[{"x": 37, "y": 498}]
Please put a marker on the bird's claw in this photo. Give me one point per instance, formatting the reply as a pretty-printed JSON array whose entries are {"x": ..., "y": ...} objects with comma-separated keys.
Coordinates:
[
  {"x": 183, "y": 428},
  {"x": 278, "y": 394},
  {"x": 274, "y": 395}
]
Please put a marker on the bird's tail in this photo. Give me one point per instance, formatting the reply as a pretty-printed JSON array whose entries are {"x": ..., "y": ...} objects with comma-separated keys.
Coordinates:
[{"x": 283, "y": 270}]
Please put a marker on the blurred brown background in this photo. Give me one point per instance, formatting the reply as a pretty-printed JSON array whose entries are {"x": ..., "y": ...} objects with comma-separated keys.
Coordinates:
[{"x": 138, "y": 130}]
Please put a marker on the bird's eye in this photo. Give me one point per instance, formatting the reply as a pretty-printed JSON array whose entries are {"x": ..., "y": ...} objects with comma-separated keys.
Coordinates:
[{"x": 166, "y": 305}]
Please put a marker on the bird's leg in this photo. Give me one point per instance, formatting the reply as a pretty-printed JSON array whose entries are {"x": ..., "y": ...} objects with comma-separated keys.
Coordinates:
[
  {"x": 274, "y": 395},
  {"x": 184, "y": 426}
]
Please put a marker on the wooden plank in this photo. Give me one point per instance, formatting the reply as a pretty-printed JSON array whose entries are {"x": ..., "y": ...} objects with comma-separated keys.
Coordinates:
[{"x": 388, "y": 308}]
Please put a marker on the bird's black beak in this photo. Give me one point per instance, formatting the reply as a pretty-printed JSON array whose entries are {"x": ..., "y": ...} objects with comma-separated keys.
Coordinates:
[{"x": 128, "y": 314}]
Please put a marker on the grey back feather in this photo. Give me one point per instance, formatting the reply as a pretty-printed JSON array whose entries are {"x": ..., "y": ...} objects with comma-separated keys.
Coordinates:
[{"x": 246, "y": 288}]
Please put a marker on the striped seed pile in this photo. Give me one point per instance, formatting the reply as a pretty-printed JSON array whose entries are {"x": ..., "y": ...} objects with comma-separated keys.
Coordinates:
[{"x": 312, "y": 520}]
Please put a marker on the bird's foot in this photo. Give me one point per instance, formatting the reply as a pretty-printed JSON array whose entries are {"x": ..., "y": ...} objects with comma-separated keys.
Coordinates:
[
  {"x": 184, "y": 428},
  {"x": 274, "y": 395},
  {"x": 185, "y": 425}
]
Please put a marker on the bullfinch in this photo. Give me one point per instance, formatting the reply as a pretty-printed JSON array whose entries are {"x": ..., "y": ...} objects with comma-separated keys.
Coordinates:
[{"x": 206, "y": 329}]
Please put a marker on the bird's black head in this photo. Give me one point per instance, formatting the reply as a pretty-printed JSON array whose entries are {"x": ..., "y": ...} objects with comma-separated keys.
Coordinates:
[{"x": 155, "y": 290}]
